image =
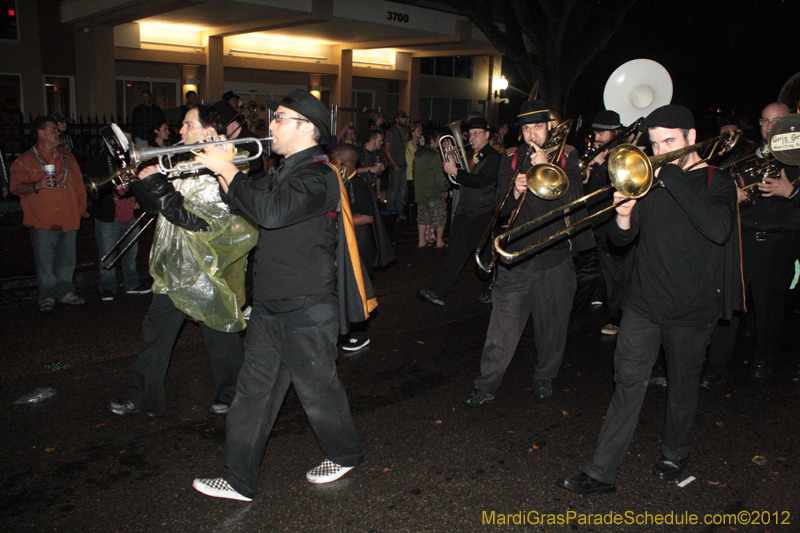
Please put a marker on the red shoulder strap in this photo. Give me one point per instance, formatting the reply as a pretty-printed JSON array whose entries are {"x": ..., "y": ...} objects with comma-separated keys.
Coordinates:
[
  {"x": 710, "y": 170},
  {"x": 514, "y": 161}
]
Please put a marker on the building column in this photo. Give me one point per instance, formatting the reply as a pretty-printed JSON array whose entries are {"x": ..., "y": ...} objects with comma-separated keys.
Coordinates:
[
  {"x": 212, "y": 87},
  {"x": 342, "y": 91},
  {"x": 409, "y": 91},
  {"x": 95, "y": 71}
]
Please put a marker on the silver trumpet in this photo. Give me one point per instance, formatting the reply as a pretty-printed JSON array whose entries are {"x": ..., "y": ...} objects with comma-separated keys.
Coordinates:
[{"x": 136, "y": 156}]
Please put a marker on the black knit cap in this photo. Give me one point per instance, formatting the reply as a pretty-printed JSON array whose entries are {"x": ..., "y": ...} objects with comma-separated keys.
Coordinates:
[
  {"x": 533, "y": 112},
  {"x": 670, "y": 116},
  {"x": 310, "y": 107},
  {"x": 478, "y": 123},
  {"x": 606, "y": 120}
]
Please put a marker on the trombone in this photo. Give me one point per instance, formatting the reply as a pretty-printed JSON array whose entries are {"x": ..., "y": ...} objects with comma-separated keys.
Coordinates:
[
  {"x": 137, "y": 155},
  {"x": 547, "y": 181},
  {"x": 135, "y": 238},
  {"x": 583, "y": 162},
  {"x": 631, "y": 173}
]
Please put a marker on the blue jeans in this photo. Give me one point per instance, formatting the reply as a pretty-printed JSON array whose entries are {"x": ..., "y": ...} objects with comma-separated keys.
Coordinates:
[
  {"x": 54, "y": 260},
  {"x": 108, "y": 233},
  {"x": 397, "y": 194}
]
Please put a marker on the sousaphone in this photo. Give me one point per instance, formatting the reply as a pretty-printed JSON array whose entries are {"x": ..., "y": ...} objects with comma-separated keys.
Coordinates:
[{"x": 637, "y": 88}]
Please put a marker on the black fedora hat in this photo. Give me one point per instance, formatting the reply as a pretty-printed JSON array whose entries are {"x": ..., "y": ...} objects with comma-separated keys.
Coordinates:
[
  {"x": 606, "y": 120},
  {"x": 478, "y": 123},
  {"x": 310, "y": 107},
  {"x": 228, "y": 95},
  {"x": 533, "y": 112}
]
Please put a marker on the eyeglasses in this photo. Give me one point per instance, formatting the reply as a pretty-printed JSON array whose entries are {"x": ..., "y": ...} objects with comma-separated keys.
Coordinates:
[
  {"x": 277, "y": 117},
  {"x": 768, "y": 121}
]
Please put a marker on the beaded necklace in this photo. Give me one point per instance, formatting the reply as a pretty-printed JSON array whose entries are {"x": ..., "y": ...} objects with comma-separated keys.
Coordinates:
[{"x": 64, "y": 168}]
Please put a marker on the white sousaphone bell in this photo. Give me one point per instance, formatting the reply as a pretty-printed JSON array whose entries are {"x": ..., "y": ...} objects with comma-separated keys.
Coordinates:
[{"x": 637, "y": 88}]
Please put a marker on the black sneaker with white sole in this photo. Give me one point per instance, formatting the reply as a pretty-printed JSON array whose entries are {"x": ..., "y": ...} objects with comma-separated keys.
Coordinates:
[
  {"x": 476, "y": 398},
  {"x": 139, "y": 289},
  {"x": 353, "y": 344}
]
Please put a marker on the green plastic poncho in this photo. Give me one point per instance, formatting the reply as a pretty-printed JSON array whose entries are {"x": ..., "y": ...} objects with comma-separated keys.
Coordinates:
[{"x": 203, "y": 271}]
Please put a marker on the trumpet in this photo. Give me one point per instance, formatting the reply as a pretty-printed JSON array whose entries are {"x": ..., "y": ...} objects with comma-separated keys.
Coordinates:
[
  {"x": 583, "y": 162},
  {"x": 454, "y": 149},
  {"x": 547, "y": 181},
  {"x": 126, "y": 176},
  {"x": 631, "y": 173}
]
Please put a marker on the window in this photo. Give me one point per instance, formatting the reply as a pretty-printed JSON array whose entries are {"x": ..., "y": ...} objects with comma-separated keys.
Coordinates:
[
  {"x": 8, "y": 20},
  {"x": 10, "y": 97},
  {"x": 449, "y": 67},
  {"x": 440, "y": 111},
  {"x": 57, "y": 95},
  {"x": 166, "y": 94}
]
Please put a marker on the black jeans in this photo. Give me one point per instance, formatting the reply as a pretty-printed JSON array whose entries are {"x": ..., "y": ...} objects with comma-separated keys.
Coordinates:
[
  {"x": 161, "y": 327},
  {"x": 278, "y": 355},
  {"x": 768, "y": 271},
  {"x": 518, "y": 294},
  {"x": 638, "y": 344}
]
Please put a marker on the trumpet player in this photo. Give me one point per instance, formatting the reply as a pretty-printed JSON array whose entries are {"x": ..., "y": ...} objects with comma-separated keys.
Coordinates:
[
  {"x": 539, "y": 285},
  {"x": 197, "y": 263},
  {"x": 770, "y": 227},
  {"x": 686, "y": 275}
]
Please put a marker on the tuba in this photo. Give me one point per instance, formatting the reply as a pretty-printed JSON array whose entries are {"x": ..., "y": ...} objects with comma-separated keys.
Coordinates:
[{"x": 637, "y": 88}]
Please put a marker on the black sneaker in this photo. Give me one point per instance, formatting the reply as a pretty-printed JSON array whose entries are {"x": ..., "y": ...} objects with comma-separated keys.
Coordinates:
[
  {"x": 485, "y": 298},
  {"x": 712, "y": 380},
  {"x": 476, "y": 398},
  {"x": 761, "y": 370},
  {"x": 353, "y": 344},
  {"x": 542, "y": 388},
  {"x": 218, "y": 407},
  {"x": 139, "y": 289},
  {"x": 106, "y": 295},
  {"x": 429, "y": 297}
]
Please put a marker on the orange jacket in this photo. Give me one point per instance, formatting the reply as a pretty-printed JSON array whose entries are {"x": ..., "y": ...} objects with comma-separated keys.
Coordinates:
[{"x": 56, "y": 209}]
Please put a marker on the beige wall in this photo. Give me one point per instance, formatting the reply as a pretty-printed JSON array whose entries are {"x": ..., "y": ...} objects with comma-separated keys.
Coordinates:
[{"x": 25, "y": 58}]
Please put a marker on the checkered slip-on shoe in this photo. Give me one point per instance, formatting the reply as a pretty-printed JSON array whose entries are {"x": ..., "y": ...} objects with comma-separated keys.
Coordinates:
[
  {"x": 218, "y": 488},
  {"x": 326, "y": 472}
]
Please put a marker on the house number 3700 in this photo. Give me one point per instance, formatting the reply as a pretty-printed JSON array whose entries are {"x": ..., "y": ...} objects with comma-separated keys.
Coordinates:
[{"x": 399, "y": 17}]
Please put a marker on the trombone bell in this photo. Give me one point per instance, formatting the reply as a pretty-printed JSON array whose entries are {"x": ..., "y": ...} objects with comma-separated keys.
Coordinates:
[
  {"x": 630, "y": 170},
  {"x": 547, "y": 181}
]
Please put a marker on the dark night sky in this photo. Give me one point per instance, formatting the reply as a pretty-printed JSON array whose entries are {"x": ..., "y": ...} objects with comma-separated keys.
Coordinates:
[{"x": 734, "y": 54}]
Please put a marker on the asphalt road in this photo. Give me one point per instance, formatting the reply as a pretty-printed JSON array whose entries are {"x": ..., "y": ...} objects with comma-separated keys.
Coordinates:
[{"x": 432, "y": 464}]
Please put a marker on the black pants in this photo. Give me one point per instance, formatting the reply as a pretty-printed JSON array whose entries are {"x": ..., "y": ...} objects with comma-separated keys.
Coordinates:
[
  {"x": 159, "y": 332},
  {"x": 638, "y": 344},
  {"x": 465, "y": 235},
  {"x": 589, "y": 276},
  {"x": 768, "y": 270},
  {"x": 278, "y": 355},
  {"x": 518, "y": 294},
  {"x": 617, "y": 266}
]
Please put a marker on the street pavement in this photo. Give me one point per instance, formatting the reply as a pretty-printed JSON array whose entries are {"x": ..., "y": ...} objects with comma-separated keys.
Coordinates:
[{"x": 432, "y": 464}]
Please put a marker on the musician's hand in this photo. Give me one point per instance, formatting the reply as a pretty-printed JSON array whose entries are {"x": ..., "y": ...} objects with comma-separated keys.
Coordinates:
[
  {"x": 776, "y": 187},
  {"x": 741, "y": 196},
  {"x": 520, "y": 185},
  {"x": 600, "y": 157},
  {"x": 147, "y": 171},
  {"x": 538, "y": 157},
  {"x": 450, "y": 167},
  {"x": 219, "y": 160},
  {"x": 623, "y": 210}
]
